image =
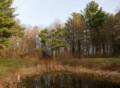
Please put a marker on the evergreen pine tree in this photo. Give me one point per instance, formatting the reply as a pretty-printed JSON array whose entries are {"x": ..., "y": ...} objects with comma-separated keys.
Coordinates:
[{"x": 8, "y": 25}]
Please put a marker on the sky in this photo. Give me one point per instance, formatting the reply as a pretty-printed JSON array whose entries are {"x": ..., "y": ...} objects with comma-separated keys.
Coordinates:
[{"x": 45, "y": 12}]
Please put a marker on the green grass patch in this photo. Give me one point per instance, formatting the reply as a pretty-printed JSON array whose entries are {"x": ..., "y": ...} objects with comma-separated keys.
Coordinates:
[{"x": 7, "y": 65}]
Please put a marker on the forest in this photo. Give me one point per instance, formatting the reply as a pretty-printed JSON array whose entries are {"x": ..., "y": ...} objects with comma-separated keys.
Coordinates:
[
  {"x": 88, "y": 42},
  {"x": 90, "y": 33}
]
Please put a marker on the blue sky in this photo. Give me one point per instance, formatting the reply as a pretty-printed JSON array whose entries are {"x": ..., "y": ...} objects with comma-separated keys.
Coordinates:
[{"x": 45, "y": 12}]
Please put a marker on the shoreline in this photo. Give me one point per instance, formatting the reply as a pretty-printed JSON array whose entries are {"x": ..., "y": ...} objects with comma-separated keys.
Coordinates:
[{"x": 21, "y": 73}]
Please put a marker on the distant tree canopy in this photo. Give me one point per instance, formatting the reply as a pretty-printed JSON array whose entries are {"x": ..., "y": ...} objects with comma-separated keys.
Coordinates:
[
  {"x": 91, "y": 33},
  {"x": 74, "y": 27},
  {"x": 8, "y": 25},
  {"x": 52, "y": 40},
  {"x": 94, "y": 15},
  {"x": 116, "y": 33}
]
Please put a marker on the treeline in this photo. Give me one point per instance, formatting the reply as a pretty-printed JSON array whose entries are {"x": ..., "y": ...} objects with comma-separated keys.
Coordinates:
[
  {"x": 94, "y": 32},
  {"x": 90, "y": 33}
]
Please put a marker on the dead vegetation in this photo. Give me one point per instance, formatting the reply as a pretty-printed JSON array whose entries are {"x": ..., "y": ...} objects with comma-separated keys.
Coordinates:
[{"x": 56, "y": 66}]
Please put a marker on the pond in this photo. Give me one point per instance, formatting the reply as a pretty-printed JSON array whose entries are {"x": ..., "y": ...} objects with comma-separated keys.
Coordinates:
[{"x": 64, "y": 80}]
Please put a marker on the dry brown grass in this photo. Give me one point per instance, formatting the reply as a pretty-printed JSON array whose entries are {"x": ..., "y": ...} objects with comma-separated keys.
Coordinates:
[
  {"x": 106, "y": 64},
  {"x": 56, "y": 66}
]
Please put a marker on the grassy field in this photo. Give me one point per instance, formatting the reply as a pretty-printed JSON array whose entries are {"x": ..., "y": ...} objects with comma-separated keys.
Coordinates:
[
  {"x": 102, "y": 68},
  {"x": 106, "y": 64},
  {"x": 7, "y": 65},
  {"x": 110, "y": 64}
]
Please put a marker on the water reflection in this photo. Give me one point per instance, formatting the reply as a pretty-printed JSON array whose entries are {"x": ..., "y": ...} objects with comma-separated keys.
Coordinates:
[{"x": 64, "y": 80}]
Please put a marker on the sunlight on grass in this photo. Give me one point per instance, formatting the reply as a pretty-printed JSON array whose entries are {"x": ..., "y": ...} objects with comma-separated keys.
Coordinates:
[
  {"x": 7, "y": 65},
  {"x": 3, "y": 70}
]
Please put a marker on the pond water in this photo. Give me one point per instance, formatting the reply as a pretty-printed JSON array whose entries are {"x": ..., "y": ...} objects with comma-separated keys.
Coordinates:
[{"x": 64, "y": 80}]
